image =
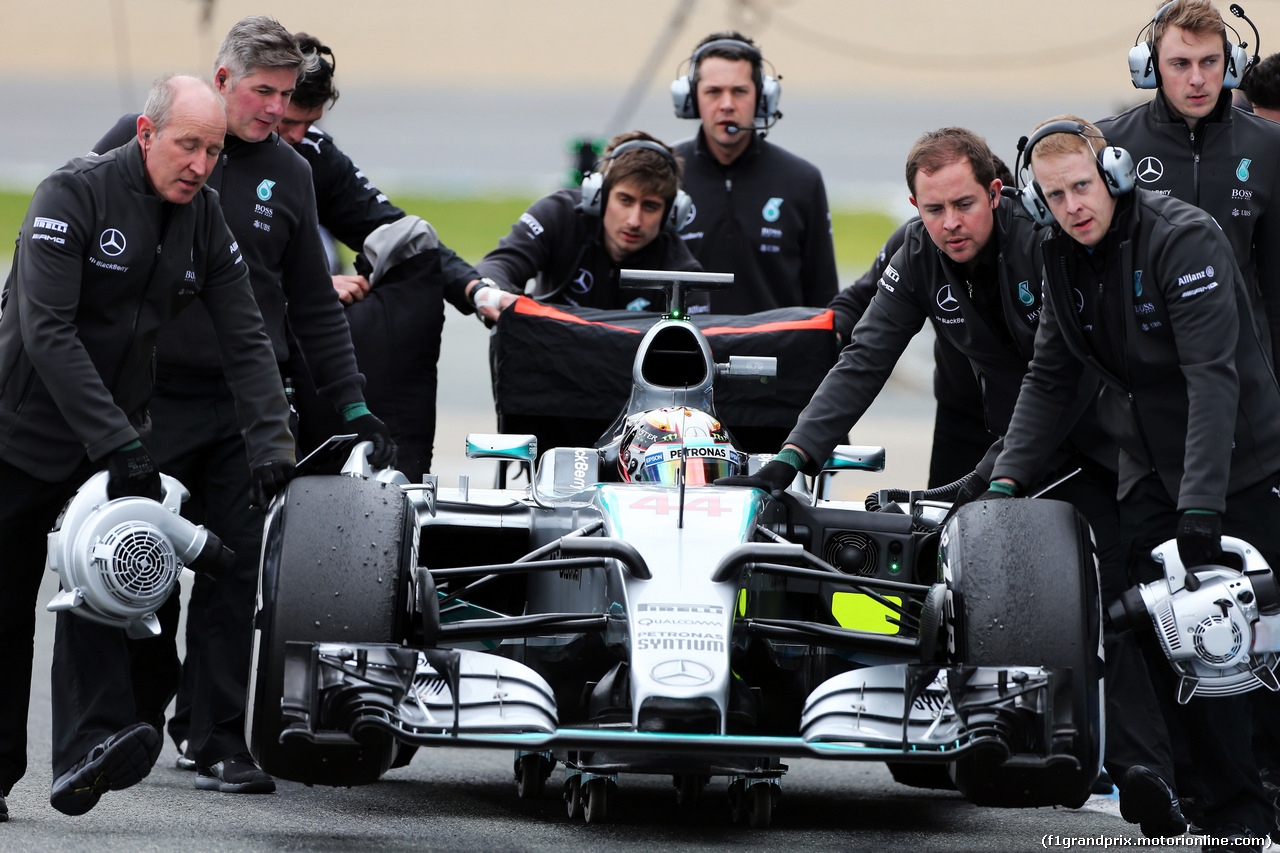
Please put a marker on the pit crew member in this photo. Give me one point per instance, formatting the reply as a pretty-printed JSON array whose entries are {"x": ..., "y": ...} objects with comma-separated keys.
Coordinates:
[
  {"x": 575, "y": 241},
  {"x": 396, "y": 334},
  {"x": 1188, "y": 142},
  {"x": 968, "y": 267},
  {"x": 1143, "y": 290},
  {"x": 266, "y": 194},
  {"x": 960, "y": 437},
  {"x": 1262, "y": 86},
  {"x": 760, "y": 212},
  {"x": 112, "y": 248}
]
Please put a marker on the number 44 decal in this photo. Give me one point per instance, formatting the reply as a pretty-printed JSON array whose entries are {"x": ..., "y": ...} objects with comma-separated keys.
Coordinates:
[{"x": 660, "y": 505}]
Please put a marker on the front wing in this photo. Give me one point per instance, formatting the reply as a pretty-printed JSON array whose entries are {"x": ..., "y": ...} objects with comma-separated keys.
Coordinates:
[{"x": 448, "y": 697}]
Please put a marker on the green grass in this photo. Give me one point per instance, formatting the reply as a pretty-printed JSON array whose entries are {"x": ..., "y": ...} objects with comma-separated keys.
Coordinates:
[{"x": 472, "y": 226}]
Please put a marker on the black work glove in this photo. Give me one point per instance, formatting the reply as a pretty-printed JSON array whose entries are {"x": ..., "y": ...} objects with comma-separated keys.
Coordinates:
[
  {"x": 132, "y": 472},
  {"x": 267, "y": 479},
  {"x": 368, "y": 428},
  {"x": 970, "y": 488},
  {"x": 1199, "y": 538},
  {"x": 773, "y": 478},
  {"x": 993, "y": 495}
]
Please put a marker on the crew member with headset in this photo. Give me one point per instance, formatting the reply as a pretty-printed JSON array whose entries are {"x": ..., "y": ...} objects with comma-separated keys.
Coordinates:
[
  {"x": 266, "y": 195},
  {"x": 1190, "y": 143},
  {"x": 759, "y": 212},
  {"x": 1143, "y": 290},
  {"x": 393, "y": 302},
  {"x": 574, "y": 242},
  {"x": 967, "y": 266}
]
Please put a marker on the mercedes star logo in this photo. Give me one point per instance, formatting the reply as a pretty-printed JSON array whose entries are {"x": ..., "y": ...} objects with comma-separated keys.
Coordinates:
[
  {"x": 1150, "y": 169},
  {"x": 583, "y": 282},
  {"x": 681, "y": 673},
  {"x": 112, "y": 242},
  {"x": 946, "y": 301}
]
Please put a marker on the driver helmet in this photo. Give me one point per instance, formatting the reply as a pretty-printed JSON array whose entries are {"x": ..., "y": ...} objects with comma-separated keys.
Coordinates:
[{"x": 656, "y": 443}]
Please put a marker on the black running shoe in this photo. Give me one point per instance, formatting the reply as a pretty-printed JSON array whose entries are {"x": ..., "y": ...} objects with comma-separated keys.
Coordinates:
[
  {"x": 1146, "y": 800},
  {"x": 122, "y": 760},
  {"x": 238, "y": 774}
]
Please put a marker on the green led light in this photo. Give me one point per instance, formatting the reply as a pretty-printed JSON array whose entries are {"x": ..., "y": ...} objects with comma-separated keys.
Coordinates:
[{"x": 895, "y": 567}]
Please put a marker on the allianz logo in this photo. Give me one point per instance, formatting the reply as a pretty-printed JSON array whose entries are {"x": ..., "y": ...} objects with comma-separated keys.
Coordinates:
[{"x": 1195, "y": 276}]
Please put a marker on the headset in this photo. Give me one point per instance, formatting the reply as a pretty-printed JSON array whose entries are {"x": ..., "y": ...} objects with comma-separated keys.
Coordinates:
[
  {"x": 684, "y": 89},
  {"x": 1115, "y": 165},
  {"x": 593, "y": 185},
  {"x": 1142, "y": 56}
]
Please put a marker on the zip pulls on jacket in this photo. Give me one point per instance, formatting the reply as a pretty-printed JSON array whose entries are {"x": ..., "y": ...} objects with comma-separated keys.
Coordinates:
[{"x": 167, "y": 217}]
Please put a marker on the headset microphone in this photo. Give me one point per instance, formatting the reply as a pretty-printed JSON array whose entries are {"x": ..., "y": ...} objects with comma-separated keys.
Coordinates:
[{"x": 757, "y": 126}]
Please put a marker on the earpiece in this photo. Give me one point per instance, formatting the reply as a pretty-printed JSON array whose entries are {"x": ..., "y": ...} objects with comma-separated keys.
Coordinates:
[
  {"x": 1143, "y": 69},
  {"x": 593, "y": 185},
  {"x": 1115, "y": 165},
  {"x": 684, "y": 89},
  {"x": 146, "y": 134}
]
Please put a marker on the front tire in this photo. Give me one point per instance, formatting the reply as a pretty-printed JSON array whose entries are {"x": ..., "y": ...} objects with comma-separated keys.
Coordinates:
[
  {"x": 337, "y": 555},
  {"x": 1023, "y": 583}
]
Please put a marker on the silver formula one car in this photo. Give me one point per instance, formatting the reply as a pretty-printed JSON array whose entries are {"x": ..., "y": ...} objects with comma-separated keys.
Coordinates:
[{"x": 623, "y": 614}]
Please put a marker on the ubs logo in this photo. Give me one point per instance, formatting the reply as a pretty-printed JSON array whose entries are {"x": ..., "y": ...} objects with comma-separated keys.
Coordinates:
[
  {"x": 946, "y": 301},
  {"x": 112, "y": 242},
  {"x": 1150, "y": 169},
  {"x": 584, "y": 282}
]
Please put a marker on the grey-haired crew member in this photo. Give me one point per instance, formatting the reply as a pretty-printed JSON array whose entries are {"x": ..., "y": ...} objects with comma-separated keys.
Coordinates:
[
  {"x": 1190, "y": 143},
  {"x": 266, "y": 195},
  {"x": 110, "y": 250},
  {"x": 1143, "y": 290},
  {"x": 575, "y": 242},
  {"x": 759, "y": 211}
]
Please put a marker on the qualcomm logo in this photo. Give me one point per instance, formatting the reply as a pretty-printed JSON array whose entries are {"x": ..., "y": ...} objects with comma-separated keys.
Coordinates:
[
  {"x": 264, "y": 190},
  {"x": 1150, "y": 169},
  {"x": 112, "y": 242},
  {"x": 681, "y": 673},
  {"x": 583, "y": 282},
  {"x": 772, "y": 210},
  {"x": 946, "y": 301}
]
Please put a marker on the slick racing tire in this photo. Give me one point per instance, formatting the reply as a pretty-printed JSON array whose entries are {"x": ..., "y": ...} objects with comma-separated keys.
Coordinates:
[
  {"x": 1023, "y": 586},
  {"x": 337, "y": 555}
]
